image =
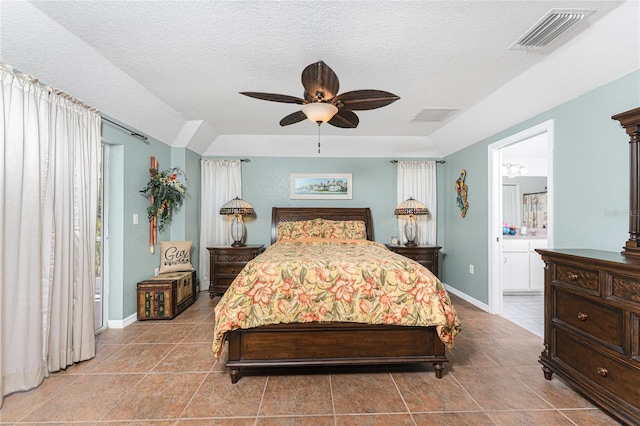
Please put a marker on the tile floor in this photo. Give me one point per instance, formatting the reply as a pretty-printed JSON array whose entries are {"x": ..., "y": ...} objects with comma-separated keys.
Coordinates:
[
  {"x": 163, "y": 373},
  {"x": 526, "y": 311}
]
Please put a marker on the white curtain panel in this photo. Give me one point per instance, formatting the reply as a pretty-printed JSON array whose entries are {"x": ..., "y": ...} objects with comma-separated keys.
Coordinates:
[
  {"x": 417, "y": 179},
  {"x": 221, "y": 182},
  {"x": 49, "y": 165}
]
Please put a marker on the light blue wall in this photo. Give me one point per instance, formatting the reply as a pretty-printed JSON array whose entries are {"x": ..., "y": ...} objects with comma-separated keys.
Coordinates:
[
  {"x": 130, "y": 259},
  {"x": 590, "y": 173},
  {"x": 265, "y": 184}
]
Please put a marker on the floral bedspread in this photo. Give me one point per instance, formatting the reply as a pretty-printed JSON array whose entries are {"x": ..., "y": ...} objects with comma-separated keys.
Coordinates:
[{"x": 312, "y": 280}]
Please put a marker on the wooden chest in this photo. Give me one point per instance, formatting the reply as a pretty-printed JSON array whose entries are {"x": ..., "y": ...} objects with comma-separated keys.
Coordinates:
[
  {"x": 592, "y": 327},
  {"x": 166, "y": 295}
]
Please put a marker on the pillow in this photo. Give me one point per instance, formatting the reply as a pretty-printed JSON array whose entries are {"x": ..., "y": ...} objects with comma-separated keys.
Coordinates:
[
  {"x": 175, "y": 256},
  {"x": 345, "y": 229},
  {"x": 300, "y": 229}
]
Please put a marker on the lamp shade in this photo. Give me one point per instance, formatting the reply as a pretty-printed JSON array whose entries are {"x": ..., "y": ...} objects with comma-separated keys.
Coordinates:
[
  {"x": 319, "y": 112},
  {"x": 411, "y": 207},
  {"x": 237, "y": 206}
]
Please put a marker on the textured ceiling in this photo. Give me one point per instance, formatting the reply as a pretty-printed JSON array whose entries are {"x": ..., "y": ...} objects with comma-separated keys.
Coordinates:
[{"x": 173, "y": 69}]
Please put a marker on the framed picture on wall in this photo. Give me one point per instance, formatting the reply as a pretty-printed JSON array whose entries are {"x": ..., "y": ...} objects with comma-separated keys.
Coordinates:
[{"x": 320, "y": 186}]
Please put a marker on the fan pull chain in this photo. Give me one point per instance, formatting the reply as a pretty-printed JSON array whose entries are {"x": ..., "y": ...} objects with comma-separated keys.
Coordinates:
[{"x": 319, "y": 123}]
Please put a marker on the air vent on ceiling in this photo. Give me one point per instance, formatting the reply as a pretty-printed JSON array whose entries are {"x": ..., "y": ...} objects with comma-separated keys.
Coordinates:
[
  {"x": 433, "y": 114},
  {"x": 547, "y": 29}
]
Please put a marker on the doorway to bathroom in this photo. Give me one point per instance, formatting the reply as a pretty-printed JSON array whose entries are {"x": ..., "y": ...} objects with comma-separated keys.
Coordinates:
[{"x": 521, "y": 216}]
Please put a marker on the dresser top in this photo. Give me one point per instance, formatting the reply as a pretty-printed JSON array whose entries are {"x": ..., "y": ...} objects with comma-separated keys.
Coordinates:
[{"x": 610, "y": 257}]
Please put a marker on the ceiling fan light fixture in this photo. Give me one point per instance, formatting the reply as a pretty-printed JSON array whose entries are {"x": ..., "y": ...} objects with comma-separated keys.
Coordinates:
[{"x": 319, "y": 112}]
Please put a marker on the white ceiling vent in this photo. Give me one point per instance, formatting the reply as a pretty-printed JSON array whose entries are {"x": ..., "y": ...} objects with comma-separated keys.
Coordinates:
[
  {"x": 433, "y": 114},
  {"x": 549, "y": 27}
]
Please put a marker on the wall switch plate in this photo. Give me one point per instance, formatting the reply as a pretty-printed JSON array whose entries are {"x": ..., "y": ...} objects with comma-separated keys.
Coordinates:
[
  {"x": 135, "y": 218},
  {"x": 471, "y": 271},
  {"x": 157, "y": 271}
]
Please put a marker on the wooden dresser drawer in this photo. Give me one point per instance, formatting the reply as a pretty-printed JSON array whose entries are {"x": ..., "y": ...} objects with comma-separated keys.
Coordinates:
[
  {"x": 617, "y": 377},
  {"x": 603, "y": 323},
  {"x": 586, "y": 279},
  {"x": 625, "y": 290}
]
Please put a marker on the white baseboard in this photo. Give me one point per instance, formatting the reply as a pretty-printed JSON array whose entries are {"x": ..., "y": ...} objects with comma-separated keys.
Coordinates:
[
  {"x": 467, "y": 298},
  {"x": 124, "y": 322}
]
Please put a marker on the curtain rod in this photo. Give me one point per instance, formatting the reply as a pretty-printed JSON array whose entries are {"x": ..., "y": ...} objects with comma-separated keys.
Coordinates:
[
  {"x": 142, "y": 137},
  {"x": 437, "y": 161}
]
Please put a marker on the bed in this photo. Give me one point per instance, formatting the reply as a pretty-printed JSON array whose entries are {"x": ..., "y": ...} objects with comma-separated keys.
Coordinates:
[{"x": 266, "y": 328}]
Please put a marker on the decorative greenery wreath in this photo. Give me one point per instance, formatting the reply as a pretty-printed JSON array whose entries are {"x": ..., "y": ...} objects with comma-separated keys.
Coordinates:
[{"x": 166, "y": 193}]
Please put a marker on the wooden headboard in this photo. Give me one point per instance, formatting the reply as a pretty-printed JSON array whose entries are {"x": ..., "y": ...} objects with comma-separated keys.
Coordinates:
[{"x": 293, "y": 214}]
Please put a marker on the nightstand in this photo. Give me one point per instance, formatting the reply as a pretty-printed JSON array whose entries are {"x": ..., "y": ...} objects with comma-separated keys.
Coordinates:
[
  {"x": 424, "y": 255},
  {"x": 225, "y": 263}
]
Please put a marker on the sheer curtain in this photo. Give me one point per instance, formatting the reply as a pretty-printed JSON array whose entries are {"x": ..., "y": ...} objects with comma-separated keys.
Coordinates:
[
  {"x": 49, "y": 165},
  {"x": 221, "y": 182},
  {"x": 417, "y": 179}
]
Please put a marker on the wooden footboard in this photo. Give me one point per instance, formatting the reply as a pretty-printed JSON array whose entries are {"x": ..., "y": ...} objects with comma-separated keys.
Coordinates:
[{"x": 326, "y": 344}]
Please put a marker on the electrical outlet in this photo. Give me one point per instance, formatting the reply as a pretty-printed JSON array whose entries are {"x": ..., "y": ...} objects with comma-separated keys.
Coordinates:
[
  {"x": 471, "y": 271},
  {"x": 135, "y": 218},
  {"x": 157, "y": 271}
]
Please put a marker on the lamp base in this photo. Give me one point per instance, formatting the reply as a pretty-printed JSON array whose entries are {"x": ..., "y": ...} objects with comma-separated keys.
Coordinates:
[
  {"x": 410, "y": 244},
  {"x": 237, "y": 244}
]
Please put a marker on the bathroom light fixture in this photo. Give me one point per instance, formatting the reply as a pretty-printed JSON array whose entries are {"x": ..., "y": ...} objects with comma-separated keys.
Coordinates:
[{"x": 513, "y": 170}]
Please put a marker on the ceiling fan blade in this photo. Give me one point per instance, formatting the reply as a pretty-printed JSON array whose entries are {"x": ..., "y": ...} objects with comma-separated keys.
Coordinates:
[
  {"x": 293, "y": 118},
  {"x": 360, "y": 100},
  {"x": 345, "y": 119},
  {"x": 320, "y": 82},
  {"x": 275, "y": 97}
]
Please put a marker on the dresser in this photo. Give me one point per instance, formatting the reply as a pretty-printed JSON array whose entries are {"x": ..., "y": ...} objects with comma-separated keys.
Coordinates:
[
  {"x": 425, "y": 255},
  {"x": 225, "y": 263},
  {"x": 592, "y": 327}
]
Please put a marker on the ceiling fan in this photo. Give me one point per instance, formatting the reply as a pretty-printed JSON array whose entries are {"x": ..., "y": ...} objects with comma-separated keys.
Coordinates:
[{"x": 321, "y": 102}]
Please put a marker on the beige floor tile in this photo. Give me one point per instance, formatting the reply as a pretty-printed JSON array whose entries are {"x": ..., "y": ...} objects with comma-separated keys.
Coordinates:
[
  {"x": 166, "y": 332},
  {"x": 227, "y": 421},
  {"x": 18, "y": 405},
  {"x": 496, "y": 389},
  {"x": 136, "y": 358},
  {"x": 470, "y": 353},
  {"x": 202, "y": 333},
  {"x": 555, "y": 391},
  {"x": 124, "y": 335},
  {"x": 375, "y": 420},
  {"x": 537, "y": 418},
  {"x": 158, "y": 396},
  {"x": 88, "y": 399},
  {"x": 187, "y": 357},
  {"x": 296, "y": 421},
  {"x": 453, "y": 419},
  {"x": 217, "y": 397},
  {"x": 299, "y": 394},
  {"x": 425, "y": 392},
  {"x": 592, "y": 417},
  {"x": 365, "y": 393}
]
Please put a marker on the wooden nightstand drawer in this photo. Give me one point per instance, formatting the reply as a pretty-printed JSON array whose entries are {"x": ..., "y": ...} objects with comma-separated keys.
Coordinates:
[
  {"x": 225, "y": 263},
  {"x": 603, "y": 370},
  {"x": 598, "y": 321},
  {"x": 586, "y": 279},
  {"x": 227, "y": 268},
  {"x": 427, "y": 256}
]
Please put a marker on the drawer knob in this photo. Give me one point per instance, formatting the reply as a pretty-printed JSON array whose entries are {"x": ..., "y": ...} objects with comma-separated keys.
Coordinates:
[
  {"x": 573, "y": 277},
  {"x": 582, "y": 316},
  {"x": 602, "y": 371}
]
